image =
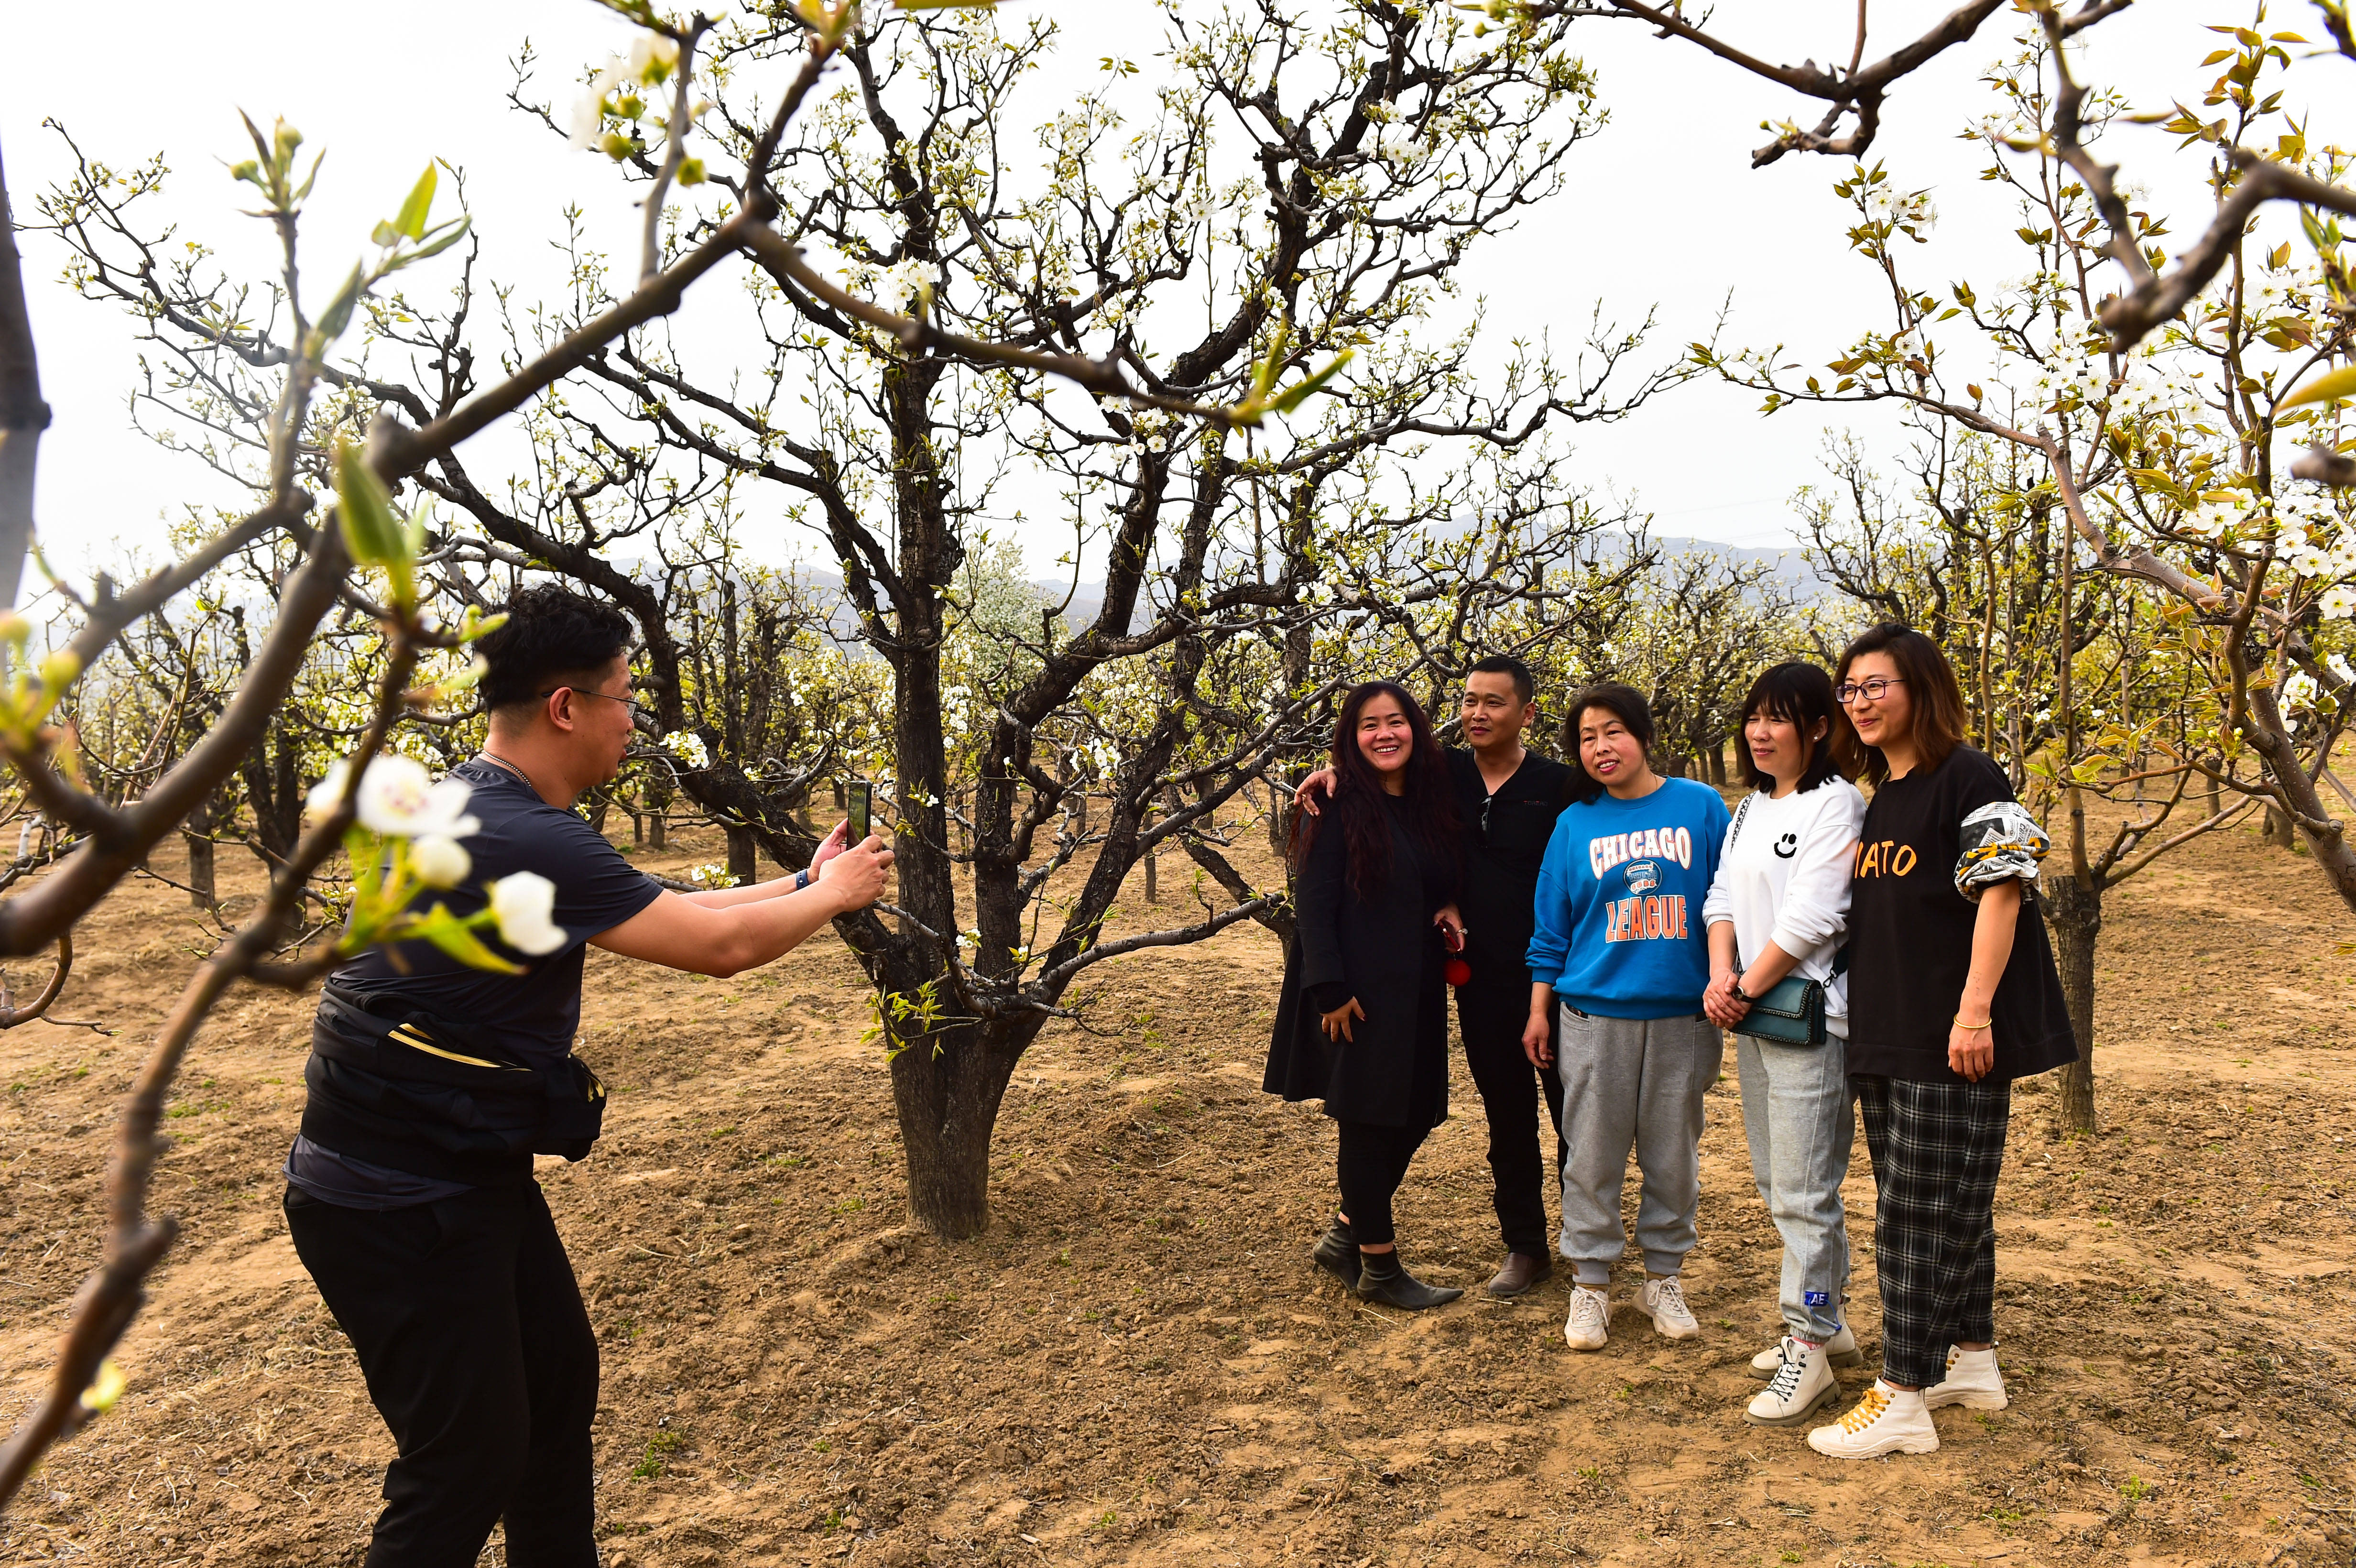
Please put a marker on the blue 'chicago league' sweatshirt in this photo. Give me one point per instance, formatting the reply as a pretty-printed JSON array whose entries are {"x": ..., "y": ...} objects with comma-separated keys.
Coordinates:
[{"x": 1619, "y": 931}]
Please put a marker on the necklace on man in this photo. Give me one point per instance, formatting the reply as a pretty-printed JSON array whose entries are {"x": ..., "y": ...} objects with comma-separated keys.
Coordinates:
[{"x": 491, "y": 756}]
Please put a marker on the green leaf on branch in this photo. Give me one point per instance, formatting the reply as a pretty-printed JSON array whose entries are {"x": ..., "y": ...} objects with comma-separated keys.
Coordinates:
[
  {"x": 455, "y": 937},
  {"x": 338, "y": 313},
  {"x": 1293, "y": 399},
  {"x": 2339, "y": 383},
  {"x": 376, "y": 535},
  {"x": 412, "y": 221}
]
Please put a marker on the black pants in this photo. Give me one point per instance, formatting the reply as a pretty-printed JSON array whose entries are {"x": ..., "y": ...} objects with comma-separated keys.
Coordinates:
[
  {"x": 1490, "y": 1012},
  {"x": 479, "y": 1356},
  {"x": 1937, "y": 1151},
  {"x": 1371, "y": 1163}
]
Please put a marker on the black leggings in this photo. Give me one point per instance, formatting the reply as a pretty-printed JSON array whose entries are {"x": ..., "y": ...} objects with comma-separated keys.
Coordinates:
[{"x": 1371, "y": 1164}]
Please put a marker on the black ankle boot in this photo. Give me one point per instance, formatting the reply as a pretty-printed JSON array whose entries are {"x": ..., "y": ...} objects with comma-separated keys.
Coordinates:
[
  {"x": 1337, "y": 1252},
  {"x": 1381, "y": 1277}
]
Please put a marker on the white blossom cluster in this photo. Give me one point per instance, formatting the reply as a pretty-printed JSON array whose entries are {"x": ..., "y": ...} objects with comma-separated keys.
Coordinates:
[
  {"x": 1917, "y": 213},
  {"x": 398, "y": 798},
  {"x": 892, "y": 287},
  {"x": 689, "y": 748},
  {"x": 651, "y": 58}
]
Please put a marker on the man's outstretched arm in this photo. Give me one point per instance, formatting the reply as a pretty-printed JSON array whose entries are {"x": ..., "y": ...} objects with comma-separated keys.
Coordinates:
[
  {"x": 776, "y": 886},
  {"x": 680, "y": 932}
]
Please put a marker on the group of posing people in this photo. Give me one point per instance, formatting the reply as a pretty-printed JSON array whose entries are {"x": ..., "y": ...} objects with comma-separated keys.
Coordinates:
[
  {"x": 1603, "y": 925},
  {"x": 1609, "y": 921}
]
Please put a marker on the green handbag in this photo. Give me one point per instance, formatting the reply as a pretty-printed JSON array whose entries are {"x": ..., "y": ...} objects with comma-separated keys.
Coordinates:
[{"x": 1792, "y": 1011}]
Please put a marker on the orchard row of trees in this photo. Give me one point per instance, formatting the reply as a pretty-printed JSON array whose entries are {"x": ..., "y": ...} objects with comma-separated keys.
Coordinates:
[{"x": 1217, "y": 320}]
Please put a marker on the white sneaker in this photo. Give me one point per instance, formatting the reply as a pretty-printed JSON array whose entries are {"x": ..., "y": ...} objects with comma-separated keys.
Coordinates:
[
  {"x": 1665, "y": 1301},
  {"x": 1588, "y": 1325},
  {"x": 1972, "y": 1381},
  {"x": 1802, "y": 1385},
  {"x": 1840, "y": 1350},
  {"x": 1887, "y": 1420}
]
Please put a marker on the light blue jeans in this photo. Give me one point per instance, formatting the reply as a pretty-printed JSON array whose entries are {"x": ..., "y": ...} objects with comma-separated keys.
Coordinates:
[{"x": 1796, "y": 1116}]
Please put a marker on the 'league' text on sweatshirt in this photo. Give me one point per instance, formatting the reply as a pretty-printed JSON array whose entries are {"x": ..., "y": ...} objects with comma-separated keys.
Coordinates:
[{"x": 1619, "y": 930}]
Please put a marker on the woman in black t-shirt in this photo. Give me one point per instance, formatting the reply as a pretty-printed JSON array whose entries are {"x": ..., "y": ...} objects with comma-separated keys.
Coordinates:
[
  {"x": 1362, "y": 1022},
  {"x": 1951, "y": 996}
]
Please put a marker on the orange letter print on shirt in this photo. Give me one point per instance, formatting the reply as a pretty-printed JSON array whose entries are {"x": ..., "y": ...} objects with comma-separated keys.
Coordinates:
[
  {"x": 1886, "y": 858},
  {"x": 1655, "y": 918}
]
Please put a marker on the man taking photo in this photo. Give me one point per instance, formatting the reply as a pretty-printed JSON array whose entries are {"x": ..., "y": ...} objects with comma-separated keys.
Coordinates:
[
  {"x": 432, "y": 1084},
  {"x": 1507, "y": 799}
]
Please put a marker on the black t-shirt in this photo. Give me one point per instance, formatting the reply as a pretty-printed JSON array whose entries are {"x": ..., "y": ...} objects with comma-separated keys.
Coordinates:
[
  {"x": 1911, "y": 937},
  {"x": 1505, "y": 837},
  {"x": 534, "y": 1015}
]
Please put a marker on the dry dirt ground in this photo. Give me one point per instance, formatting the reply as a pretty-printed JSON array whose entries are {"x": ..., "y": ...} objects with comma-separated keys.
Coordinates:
[{"x": 1137, "y": 1364}]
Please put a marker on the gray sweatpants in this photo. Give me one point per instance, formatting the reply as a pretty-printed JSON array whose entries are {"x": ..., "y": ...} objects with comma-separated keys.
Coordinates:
[
  {"x": 1796, "y": 1116},
  {"x": 1633, "y": 1082}
]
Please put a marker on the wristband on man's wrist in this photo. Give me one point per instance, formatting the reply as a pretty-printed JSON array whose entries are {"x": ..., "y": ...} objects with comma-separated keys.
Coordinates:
[{"x": 801, "y": 879}]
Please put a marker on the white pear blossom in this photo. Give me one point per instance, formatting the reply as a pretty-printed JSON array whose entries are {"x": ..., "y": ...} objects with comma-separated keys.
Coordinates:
[
  {"x": 1402, "y": 151},
  {"x": 712, "y": 875},
  {"x": 586, "y": 120},
  {"x": 440, "y": 860},
  {"x": 2298, "y": 691},
  {"x": 400, "y": 799},
  {"x": 896, "y": 285},
  {"x": 328, "y": 792},
  {"x": 2304, "y": 560},
  {"x": 524, "y": 905},
  {"x": 2212, "y": 519},
  {"x": 689, "y": 748},
  {"x": 1922, "y": 215},
  {"x": 2338, "y": 604},
  {"x": 2338, "y": 665},
  {"x": 651, "y": 50}
]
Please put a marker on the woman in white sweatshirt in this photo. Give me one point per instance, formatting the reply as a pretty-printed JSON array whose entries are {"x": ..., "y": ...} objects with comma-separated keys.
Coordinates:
[{"x": 1779, "y": 906}]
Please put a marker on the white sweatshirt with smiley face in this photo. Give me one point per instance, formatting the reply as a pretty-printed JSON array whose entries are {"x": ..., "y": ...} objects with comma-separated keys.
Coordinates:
[{"x": 1783, "y": 878}]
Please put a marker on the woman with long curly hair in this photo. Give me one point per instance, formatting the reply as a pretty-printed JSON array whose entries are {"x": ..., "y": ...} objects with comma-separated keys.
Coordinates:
[{"x": 1363, "y": 1020}]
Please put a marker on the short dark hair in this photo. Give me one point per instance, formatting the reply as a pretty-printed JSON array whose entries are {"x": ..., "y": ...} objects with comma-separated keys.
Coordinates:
[
  {"x": 1934, "y": 698},
  {"x": 1525, "y": 685},
  {"x": 551, "y": 632},
  {"x": 1625, "y": 703},
  {"x": 1803, "y": 694}
]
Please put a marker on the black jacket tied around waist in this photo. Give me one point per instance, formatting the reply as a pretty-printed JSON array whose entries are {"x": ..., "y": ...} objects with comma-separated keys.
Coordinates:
[{"x": 413, "y": 1093}]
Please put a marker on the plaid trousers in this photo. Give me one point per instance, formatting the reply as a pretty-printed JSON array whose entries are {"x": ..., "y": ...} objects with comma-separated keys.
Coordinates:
[{"x": 1937, "y": 1149}]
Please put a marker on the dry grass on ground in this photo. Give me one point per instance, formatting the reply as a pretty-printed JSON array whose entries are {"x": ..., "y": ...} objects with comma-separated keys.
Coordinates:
[{"x": 1136, "y": 1365}]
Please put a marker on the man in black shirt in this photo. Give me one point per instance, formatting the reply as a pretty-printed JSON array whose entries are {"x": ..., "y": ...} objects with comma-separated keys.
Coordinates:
[
  {"x": 1507, "y": 799},
  {"x": 432, "y": 1083}
]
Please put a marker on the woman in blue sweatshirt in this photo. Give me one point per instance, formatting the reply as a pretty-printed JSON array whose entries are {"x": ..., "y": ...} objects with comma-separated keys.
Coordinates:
[{"x": 1621, "y": 950}]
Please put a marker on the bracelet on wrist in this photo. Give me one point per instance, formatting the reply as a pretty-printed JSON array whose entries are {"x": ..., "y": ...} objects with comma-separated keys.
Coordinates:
[
  {"x": 1973, "y": 1029},
  {"x": 801, "y": 879}
]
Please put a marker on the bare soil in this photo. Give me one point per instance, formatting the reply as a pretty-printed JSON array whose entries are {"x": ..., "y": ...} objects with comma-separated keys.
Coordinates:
[{"x": 1137, "y": 1363}]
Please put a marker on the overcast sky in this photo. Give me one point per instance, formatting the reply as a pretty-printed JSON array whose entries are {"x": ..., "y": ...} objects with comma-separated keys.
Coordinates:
[{"x": 1664, "y": 210}]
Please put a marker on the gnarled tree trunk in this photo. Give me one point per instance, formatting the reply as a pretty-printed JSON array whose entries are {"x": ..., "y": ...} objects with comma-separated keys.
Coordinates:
[
  {"x": 2073, "y": 914},
  {"x": 946, "y": 1088},
  {"x": 202, "y": 882}
]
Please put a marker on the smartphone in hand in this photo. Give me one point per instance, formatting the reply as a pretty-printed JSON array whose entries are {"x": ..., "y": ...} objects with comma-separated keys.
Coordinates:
[{"x": 860, "y": 798}]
